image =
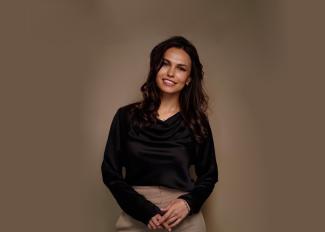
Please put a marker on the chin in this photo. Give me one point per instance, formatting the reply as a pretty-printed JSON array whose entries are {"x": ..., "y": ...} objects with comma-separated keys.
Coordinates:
[{"x": 169, "y": 91}]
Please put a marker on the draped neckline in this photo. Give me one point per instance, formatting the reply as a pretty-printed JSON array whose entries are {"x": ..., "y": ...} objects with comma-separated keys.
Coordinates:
[
  {"x": 170, "y": 118},
  {"x": 170, "y": 129}
]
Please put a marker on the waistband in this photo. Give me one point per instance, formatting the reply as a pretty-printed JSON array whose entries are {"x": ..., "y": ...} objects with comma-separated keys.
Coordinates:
[{"x": 159, "y": 195}]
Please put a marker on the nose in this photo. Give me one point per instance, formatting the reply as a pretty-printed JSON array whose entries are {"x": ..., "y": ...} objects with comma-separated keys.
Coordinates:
[{"x": 170, "y": 72}]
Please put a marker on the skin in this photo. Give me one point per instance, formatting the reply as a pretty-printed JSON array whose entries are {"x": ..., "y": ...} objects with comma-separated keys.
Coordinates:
[
  {"x": 176, "y": 68},
  {"x": 174, "y": 213}
]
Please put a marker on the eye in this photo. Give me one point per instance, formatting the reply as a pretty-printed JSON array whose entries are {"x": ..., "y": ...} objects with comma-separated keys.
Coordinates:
[{"x": 183, "y": 69}]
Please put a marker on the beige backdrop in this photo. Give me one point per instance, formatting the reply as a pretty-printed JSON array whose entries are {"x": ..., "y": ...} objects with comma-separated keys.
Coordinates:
[
  {"x": 232, "y": 43},
  {"x": 67, "y": 66}
]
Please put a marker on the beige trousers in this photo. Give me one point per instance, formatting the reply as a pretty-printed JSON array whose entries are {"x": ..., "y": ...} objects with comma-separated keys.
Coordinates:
[{"x": 160, "y": 196}]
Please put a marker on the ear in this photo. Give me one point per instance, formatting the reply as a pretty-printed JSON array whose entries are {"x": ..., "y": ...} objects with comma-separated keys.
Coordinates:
[{"x": 188, "y": 81}]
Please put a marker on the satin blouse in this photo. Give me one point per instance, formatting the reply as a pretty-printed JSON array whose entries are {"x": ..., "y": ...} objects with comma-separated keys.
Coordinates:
[{"x": 160, "y": 155}]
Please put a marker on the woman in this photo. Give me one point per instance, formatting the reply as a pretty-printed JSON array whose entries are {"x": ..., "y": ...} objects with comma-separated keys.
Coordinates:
[{"x": 157, "y": 140}]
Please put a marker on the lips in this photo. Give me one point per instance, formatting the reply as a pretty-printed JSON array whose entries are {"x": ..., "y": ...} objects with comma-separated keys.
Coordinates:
[{"x": 168, "y": 82}]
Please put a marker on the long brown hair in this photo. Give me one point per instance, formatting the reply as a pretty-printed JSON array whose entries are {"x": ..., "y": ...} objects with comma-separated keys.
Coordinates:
[{"x": 193, "y": 99}]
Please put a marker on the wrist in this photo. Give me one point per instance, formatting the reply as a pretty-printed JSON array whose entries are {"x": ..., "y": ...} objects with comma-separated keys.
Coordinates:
[{"x": 187, "y": 205}]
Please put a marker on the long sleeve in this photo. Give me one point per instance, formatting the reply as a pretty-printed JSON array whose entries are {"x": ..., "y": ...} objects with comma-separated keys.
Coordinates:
[
  {"x": 207, "y": 174},
  {"x": 131, "y": 202}
]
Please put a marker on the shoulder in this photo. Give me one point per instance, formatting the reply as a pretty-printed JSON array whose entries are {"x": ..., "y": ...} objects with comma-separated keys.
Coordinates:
[
  {"x": 124, "y": 112},
  {"x": 126, "y": 109}
]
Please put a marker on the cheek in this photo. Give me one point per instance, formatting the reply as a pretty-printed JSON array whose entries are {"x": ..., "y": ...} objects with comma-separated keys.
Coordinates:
[
  {"x": 161, "y": 71},
  {"x": 159, "y": 75},
  {"x": 182, "y": 77}
]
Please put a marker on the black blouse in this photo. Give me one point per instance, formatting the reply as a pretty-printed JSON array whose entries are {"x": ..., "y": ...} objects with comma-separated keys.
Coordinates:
[{"x": 160, "y": 155}]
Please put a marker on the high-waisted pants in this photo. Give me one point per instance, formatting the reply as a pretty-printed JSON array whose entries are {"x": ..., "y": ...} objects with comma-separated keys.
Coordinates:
[{"x": 160, "y": 196}]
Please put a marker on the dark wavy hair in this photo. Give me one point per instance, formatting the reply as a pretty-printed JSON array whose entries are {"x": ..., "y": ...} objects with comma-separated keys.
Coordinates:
[{"x": 193, "y": 99}]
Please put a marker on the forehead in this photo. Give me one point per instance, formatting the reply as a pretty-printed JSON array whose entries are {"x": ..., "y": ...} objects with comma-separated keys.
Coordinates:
[{"x": 178, "y": 56}]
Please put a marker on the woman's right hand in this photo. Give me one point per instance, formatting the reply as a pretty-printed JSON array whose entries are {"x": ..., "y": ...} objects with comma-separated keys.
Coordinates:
[{"x": 154, "y": 223}]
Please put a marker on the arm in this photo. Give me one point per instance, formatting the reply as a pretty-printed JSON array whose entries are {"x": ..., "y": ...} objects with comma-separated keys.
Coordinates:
[
  {"x": 207, "y": 174},
  {"x": 131, "y": 202}
]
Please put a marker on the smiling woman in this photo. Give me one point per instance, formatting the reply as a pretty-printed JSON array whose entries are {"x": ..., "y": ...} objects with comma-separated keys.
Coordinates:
[
  {"x": 175, "y": 72},
  {"x": 157, "y": 140}
]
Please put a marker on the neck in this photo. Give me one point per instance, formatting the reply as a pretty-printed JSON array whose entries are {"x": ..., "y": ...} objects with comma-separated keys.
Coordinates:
[{"x": 169, "y": 103}]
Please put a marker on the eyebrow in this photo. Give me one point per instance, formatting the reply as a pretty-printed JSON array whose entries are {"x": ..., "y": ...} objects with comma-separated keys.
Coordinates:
[{"x": 185, "y": 65}]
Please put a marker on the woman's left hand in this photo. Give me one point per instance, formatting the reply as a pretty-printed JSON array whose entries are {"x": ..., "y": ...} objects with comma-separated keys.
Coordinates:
[{"x": 174, "y": 213}]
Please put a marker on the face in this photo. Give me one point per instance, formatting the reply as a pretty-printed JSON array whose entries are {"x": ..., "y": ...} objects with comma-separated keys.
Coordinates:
[{"x": 175, "y": 71}]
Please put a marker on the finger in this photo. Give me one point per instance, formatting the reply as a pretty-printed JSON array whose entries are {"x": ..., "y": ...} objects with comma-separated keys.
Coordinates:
[
  {"x": 175, "y": 222},
  {"x": 166, "y": 215},
  {"x": 155, "y": 221},
  {"x": 161, "y": 225},
  {"x": 152, "y": 225},
  {"x": 158, "y": 227},
  {"x": 166, "y": 226},
  {"x": 171, "y": 219},
  {"x": 163, "y": 210},
  {"x": 158, "y": 216},
  {"x": 166, "y": 208}
]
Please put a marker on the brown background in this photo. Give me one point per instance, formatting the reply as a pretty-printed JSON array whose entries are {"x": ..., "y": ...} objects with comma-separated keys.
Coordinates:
[{"x": 66, "y": 66}]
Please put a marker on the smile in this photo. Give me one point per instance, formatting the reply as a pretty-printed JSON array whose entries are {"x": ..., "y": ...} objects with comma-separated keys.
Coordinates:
[{"x": 168, "y": 82}]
